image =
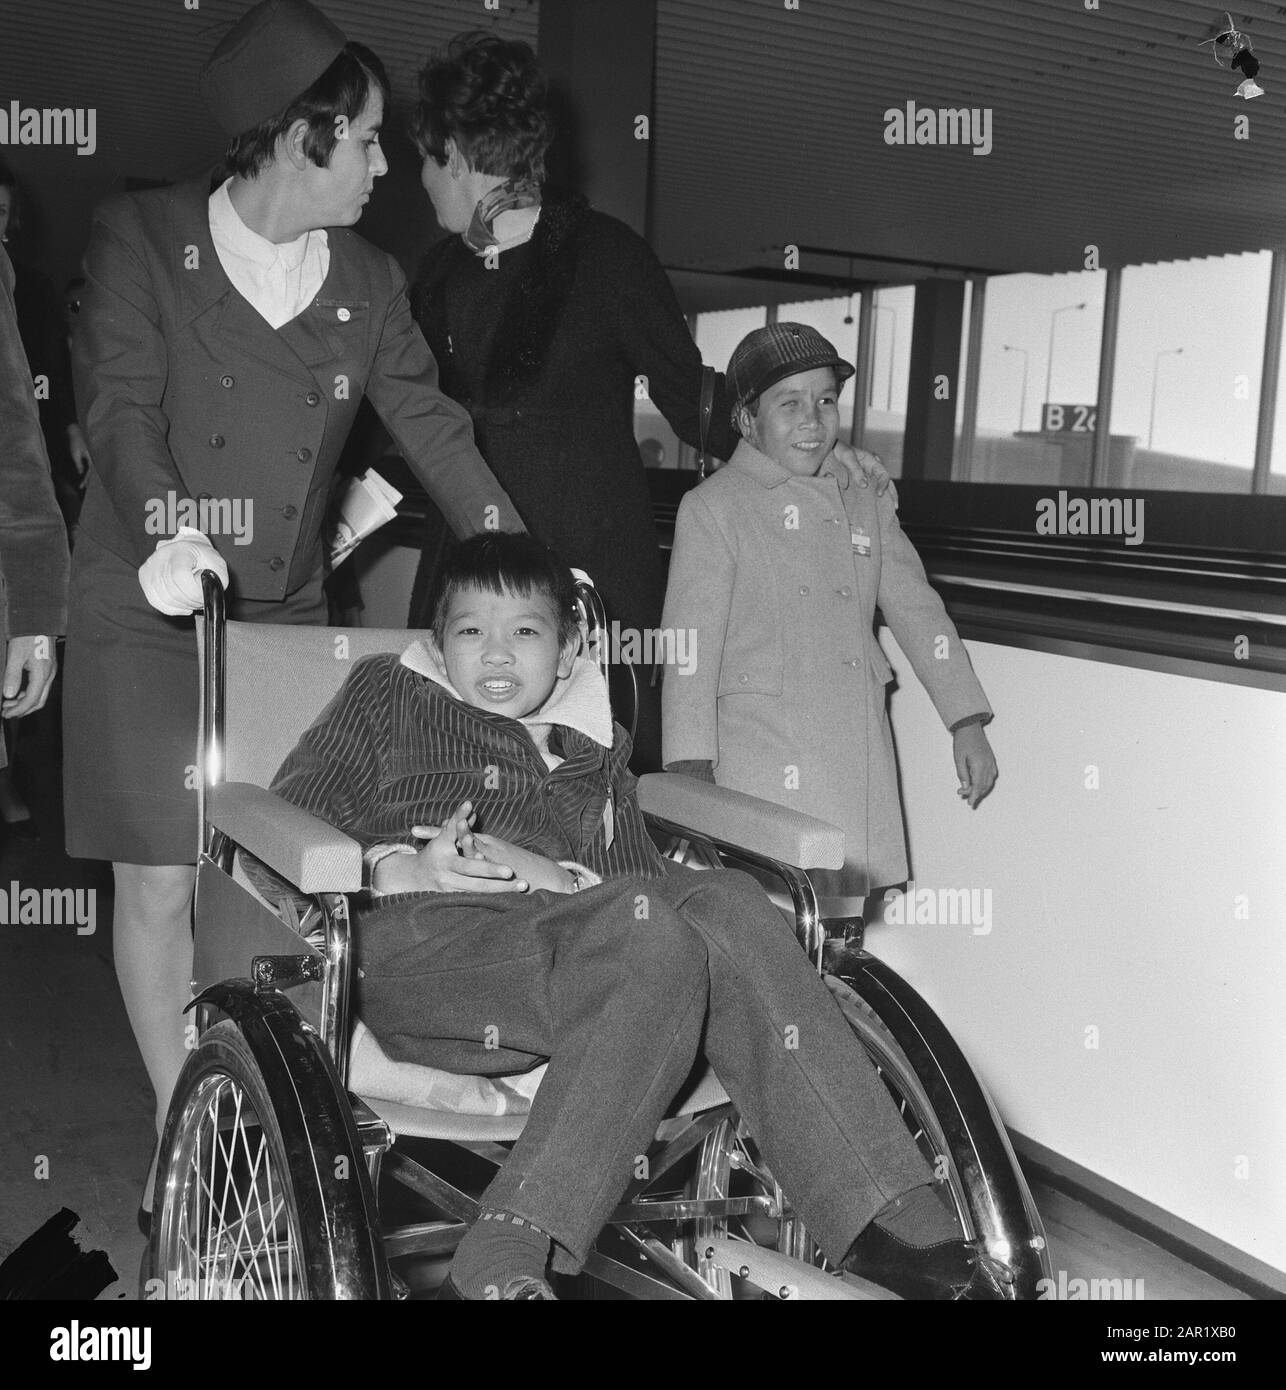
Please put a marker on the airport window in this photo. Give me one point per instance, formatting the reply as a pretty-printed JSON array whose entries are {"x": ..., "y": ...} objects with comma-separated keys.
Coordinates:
[
  {"x": 1038, "y": 378},
  {"x": 894, "y": 311},
  {"x": 1189, "y": 359}
]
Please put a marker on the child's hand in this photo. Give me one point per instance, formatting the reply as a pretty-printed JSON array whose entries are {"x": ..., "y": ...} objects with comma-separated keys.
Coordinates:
[
  {"x": 536, "y": 870},
  {"x": 975, "y": 763},
  {"x": 449, "y": 862}
]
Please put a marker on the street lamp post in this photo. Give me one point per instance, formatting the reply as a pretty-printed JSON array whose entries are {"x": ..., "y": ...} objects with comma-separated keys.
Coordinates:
[
  {"x": 1022, "y": 399},
  {"x": 1156, "y": 367},
  {"x": 1053, "y": 323}
]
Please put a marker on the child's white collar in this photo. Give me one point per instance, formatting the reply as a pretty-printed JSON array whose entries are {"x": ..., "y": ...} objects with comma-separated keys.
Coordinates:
[{"x": 578, "y": 701}]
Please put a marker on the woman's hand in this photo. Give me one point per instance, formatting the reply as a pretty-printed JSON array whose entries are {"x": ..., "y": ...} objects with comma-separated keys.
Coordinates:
[
  {"x": 975, "y": 763},
  {"x": 448, "y": 863},
  {"x": 866, "y": 467}
]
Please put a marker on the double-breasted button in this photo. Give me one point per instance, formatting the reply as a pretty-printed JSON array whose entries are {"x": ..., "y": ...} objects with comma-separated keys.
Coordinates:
[
  {"x": 834, "y": 520},
  {"x": 216, "y": 441},
  {"x": 803, "y": 588},
  {"x": 852, "y": 663},
  {"x": 844, "y": 593},
  {"x": 276, "y": 563},
  {"x": 290, "y": 513},
  {"x": 744, "y": 679},
  {"x": 304, "y": 455},
  {"x": 312, "y": 398},
  {"x": 227, "y": 382}
]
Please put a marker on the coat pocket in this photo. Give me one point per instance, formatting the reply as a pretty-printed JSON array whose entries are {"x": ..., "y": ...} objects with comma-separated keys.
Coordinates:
[{"x": 757, "y": 672}]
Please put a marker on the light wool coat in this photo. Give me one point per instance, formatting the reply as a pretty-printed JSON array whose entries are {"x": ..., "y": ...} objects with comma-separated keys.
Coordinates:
[{"x": 777, "y": 577}]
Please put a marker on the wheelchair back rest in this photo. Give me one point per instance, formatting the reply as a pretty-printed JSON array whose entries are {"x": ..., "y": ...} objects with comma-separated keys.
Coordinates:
[{"x": 279, "y": 679}]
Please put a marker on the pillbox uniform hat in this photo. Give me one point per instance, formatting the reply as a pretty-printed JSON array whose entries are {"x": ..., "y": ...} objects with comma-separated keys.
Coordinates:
[{"x": 271, "y": 55}]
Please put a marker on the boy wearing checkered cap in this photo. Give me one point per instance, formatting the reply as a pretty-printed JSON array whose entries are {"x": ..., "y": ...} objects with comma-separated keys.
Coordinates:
[{"x": 780, "y": 560}]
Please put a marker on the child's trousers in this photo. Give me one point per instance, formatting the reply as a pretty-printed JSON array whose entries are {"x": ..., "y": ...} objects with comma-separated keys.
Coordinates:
[{"x": 621, "y": 986}]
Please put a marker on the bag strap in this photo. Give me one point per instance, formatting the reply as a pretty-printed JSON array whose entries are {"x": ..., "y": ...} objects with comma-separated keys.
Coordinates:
[{"x": 708, "y": 377}]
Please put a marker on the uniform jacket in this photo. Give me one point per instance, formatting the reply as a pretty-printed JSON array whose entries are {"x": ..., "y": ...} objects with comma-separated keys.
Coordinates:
[
  {"x": 787, "y": 692},
  {"x": 184, "y": 388},
  {"x": 545, "y": 349},
  {"x": 33, "y": 542}
]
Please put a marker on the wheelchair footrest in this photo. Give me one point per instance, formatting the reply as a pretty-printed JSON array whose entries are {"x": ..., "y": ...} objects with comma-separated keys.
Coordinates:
[{"x": 785, "y": 1278}]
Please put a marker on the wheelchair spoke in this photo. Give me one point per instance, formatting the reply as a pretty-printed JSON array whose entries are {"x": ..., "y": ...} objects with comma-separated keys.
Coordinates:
[{"x": 232, "y": 1231}]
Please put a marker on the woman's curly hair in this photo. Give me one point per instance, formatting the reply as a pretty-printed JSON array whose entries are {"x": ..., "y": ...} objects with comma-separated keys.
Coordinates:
[{"x": 490, "y": 96}]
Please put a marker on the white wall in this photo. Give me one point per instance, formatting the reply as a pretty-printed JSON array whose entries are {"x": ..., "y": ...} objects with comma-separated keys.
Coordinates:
[{"x": 1116, "y": 909}]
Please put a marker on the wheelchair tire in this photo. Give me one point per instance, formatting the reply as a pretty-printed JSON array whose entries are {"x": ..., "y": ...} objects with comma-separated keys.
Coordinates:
[
  {"x": 246, "y": 1206},
  {"x": 729, "y": 1164}
]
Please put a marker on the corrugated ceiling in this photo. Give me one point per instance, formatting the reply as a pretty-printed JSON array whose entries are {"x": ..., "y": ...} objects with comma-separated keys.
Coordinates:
[{"x": 1109, "y": 126}]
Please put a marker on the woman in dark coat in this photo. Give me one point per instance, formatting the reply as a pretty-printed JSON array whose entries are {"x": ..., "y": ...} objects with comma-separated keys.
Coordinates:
[{"x": 543, "y": 315}]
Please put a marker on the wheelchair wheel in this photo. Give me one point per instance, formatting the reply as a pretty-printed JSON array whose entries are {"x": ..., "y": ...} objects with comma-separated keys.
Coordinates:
[
  {"x": 729, "y": 1165},
  {"x": 236, "y": 1218}
]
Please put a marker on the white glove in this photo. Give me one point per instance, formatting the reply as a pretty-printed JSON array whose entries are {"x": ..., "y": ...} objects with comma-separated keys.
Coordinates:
[{"x": 171, "y": 576}]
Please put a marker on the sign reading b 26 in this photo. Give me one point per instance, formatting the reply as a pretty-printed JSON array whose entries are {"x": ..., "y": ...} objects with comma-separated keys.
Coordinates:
[{"x": 1067, "y": 419}]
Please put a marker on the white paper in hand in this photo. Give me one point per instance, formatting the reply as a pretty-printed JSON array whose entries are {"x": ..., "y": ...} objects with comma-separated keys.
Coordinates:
[{"x": 369, "y": 503}]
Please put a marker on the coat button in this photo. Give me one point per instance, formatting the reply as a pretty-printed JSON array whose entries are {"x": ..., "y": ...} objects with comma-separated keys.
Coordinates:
[
  {"x": 276, "y": 563},
  {"x": 852, "y": 663},
  {"x": 744, "y": 679},
  {"x": 290, "y": 513},
  {"x": 803, "y": 588},
  {"x": 304, "y": 455},
  {"x": 227, "y": 382},
  {"x": 844, "y": 593},
  {"x": 312, "y": 398},
  {"x": 343, "y": 315},
  {"x": 216, "y": 441}
]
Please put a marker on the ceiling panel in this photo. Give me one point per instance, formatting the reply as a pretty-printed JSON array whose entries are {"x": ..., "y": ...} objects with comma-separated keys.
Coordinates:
[{"x": 1110, "y": 127}]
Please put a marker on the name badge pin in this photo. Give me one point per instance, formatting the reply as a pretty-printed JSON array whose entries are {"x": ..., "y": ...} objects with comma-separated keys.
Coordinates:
[
  {"x": 343, "y": 315},
  {"x": 861, "y": 541}
]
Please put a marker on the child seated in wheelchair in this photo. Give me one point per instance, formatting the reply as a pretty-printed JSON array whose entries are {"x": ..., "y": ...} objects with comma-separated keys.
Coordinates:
[
  {"x": 778, "y": 566},
  {"x": 519, "y": 912}
]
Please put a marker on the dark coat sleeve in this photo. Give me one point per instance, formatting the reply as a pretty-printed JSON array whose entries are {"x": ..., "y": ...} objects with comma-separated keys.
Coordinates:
[
  {"x": 33, "y": 541},
  {"x": 434, "y": 434},
  {"x": 655, "y": 339},
  {"x": 333, "y": 772},
  {"x": 121, "y": 365}
]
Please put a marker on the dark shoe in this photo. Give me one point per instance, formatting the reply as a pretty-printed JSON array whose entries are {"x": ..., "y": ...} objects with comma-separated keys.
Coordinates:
[
  {"x": 951, "y": 1269},
  {"x": 523, "y": 1289}
]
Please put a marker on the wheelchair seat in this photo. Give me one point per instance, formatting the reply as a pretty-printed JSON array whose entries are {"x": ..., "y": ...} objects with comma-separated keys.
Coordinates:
[{"x": 296, "y": 671}]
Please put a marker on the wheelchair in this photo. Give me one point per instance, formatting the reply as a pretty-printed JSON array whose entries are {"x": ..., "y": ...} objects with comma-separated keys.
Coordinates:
[{"x": 286, "y": 1169}]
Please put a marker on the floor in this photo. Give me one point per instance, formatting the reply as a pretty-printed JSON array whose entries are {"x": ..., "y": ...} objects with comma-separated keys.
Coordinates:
[{"x": 79, "y": 1107}]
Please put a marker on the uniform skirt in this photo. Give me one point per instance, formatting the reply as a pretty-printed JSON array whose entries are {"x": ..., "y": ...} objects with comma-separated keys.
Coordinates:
[{"x": 131, "y": 705}]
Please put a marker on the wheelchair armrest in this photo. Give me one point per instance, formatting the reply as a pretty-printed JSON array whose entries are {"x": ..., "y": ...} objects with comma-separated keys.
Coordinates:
[
  {"x": 743, "y": 822},
  {"x": 305, "y": 851}
]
